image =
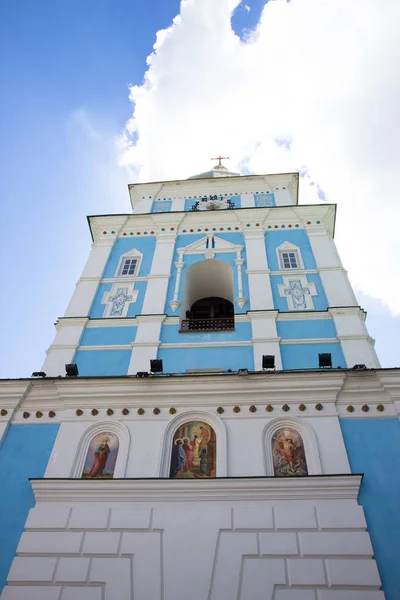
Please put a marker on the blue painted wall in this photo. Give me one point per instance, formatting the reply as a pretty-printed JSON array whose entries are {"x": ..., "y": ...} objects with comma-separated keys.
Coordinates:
[
  {"x": 280, "y": 303},
  {"x": 261, "y": 200},
  {"x": 170, "y": 335},
  {"x": 161, "y": 206},
  {"x": 305, "y": 356},
  {"x": 108, "y": 336},
  {"x": 302, "y": 330},
  {"x": 145, "y": 245},
  {"x": 102, "y": 362},
  {"x": 24, "y": 453},
  {"x": 177, "y": 360},
  {"x": 190, "y": 259},
  {"x": 298, "y": 237},
  {"x": 373, "y": 449}
]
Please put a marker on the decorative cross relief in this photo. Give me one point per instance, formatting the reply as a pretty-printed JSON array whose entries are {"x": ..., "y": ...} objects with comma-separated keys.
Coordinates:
[
  {"x": 118, "y": 300},
  {"x": 298, "y": 293}
]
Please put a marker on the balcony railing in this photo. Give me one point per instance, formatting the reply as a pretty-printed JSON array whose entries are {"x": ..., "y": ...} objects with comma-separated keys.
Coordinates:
[{"x": 208, "y": 324}]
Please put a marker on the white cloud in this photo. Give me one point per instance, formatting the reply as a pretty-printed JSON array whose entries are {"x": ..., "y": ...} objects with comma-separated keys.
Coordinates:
[{"x": 321, "y": 74}]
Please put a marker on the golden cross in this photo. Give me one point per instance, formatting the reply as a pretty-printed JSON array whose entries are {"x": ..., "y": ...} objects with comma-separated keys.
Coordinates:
[{"x": 219, "y": 158}]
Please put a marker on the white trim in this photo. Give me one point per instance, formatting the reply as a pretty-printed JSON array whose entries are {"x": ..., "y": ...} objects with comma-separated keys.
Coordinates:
[
  {"x": 118, "y": 429},
  {"x": 195, "y": 415},
  {"x": 288, "y": 247},
  {"x": 210, "y": 344},
  {"x": 306, "y": 316},
  {"x": 307, "y": 435},
  {"x": 195, "y": 490}
]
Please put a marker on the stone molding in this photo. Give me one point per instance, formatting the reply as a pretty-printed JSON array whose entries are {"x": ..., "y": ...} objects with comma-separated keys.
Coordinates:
[{"x": 327, "y": 487}]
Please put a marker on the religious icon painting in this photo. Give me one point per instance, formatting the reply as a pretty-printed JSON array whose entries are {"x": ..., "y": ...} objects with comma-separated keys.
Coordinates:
[
  {"x": 101, "y": 457},
  {"x": 193, "y": 451},
  {"x": 288, "y": 453}
]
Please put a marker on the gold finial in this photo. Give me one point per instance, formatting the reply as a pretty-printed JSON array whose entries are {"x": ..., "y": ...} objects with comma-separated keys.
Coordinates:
[{"x": 219, "y": 159}]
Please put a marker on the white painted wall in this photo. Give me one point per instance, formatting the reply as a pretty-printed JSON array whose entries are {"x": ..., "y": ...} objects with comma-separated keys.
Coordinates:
[
  {"x": 216, "y": 548},
  {"x": 257, "y": 271}
]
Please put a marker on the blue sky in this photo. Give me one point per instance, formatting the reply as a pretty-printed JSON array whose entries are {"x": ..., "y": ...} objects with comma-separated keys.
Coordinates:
[{"x": 66, "y": 70}]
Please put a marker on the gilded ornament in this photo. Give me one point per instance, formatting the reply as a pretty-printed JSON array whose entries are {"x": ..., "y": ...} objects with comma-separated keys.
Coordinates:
[
  {"x": 39, "y": 414},
  {"x": 3, "y": 412},
  {"x": 236, "y": 409},
  {"x": 52, "y": 414},
  {"x": 109, "y": 412},
  {"x": 140, "y": 411},
  {"x": 252, "y": 408},
  {"x": 79, "y": 412},
  {"x": 95, "y": 412},
  {"x": 319, "y": 406},
  {"x": 220, "y": 410},
  {"x": 302, "y": 407},
  {"x": 380, "y": 408},
  {"x": 172, "y": 411},
  {"x": 350, "y": 409},
  {"x": 285, "y": 407},
  {"x": 125, "y": 411},
  {"x": 269, "y": 408}
]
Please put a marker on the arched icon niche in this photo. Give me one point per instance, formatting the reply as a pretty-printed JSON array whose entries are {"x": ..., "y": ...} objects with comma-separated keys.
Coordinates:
[
  {"x": 101, "y": 456},
  {"x": 288, "y": 454},
  {"x": 194, "y": 451}
]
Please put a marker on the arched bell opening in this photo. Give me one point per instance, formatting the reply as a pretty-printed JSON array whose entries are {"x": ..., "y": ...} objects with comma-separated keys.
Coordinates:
[{"x": 208, "y": 297}]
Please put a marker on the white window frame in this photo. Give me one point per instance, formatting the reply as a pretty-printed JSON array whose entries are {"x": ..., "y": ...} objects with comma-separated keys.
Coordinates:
[
  {"x": 135, "y": 254},
  {"x": 287, "y": 248}
]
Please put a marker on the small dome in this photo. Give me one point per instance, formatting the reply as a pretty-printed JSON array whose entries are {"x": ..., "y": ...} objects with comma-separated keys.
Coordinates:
[{"x": 219, "y": 170}]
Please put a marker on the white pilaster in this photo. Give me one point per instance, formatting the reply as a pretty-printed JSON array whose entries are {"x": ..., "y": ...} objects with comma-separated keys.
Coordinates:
[
  {"x": 357, "y": 346},
  {"x": 178, "y": 204},
  {"x": 160, "y": 273},
  {"x": 247, "y": 201},
  {"x": 265, "y": 337},
  {"x": 333, "y": 276},
  {"x": 258, "y": 272},
  {"x": 147, "y": 341},
  {"x": 282, "y": 197},
  {"x": 62, "y": 350},
  {"x": 86, "y": 287}
]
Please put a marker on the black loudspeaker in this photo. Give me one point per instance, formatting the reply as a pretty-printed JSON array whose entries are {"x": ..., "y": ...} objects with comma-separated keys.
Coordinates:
[
  {"x": 71, "y": 370},
  {"x": 142, "y": 374},
  {"x": 268, "y": 361},
  {"x": 156, "y": 366},
  {"x": 325, "y": 360},
  {"x": 359, "y": 368}
]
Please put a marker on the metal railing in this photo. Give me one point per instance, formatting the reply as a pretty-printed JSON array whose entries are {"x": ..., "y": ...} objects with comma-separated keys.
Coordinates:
[{"x": 223, "y": 324}]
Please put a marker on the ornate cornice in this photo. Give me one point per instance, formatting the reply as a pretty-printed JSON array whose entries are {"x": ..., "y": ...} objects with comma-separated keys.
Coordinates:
[{"x": 322, "y": 487}]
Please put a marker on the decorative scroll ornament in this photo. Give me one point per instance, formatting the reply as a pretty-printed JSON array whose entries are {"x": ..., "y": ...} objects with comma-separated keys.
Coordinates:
[{"x": 213, "y": 203}]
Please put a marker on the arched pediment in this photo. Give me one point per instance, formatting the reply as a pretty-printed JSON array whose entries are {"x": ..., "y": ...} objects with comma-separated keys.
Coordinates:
[{"x": 202, "y": 245}]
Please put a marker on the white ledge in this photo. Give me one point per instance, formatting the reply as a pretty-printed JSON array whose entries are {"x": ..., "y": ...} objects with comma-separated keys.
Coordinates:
[{"x": 179, "y": 490}]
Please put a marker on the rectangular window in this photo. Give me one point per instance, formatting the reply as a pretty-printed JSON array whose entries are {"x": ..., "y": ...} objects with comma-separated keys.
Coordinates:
[
  {"x": 129, "y": 266},
  {"x": 289, "y": 260}
]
